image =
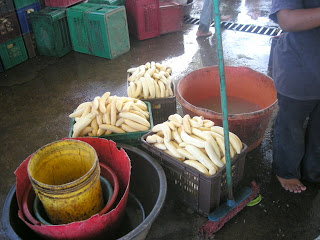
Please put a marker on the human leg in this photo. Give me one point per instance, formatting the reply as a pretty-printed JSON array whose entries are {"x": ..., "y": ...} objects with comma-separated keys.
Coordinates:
[
  {"x": 288, "y": 141},
  {"x": 311, "y": 161},
  {"x": 206, "y": 18}
]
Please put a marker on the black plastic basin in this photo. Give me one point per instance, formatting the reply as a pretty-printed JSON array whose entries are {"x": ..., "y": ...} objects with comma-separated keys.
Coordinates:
[{"x": 148, "y": 188}]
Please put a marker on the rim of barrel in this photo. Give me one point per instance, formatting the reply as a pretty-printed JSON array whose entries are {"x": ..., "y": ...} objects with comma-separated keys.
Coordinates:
[
  {"x": 219, "y": 115},
  {"x": 162, "y": 193},
  {"x": 62, "y": 186},
  {"x": 5, "y": 220}
]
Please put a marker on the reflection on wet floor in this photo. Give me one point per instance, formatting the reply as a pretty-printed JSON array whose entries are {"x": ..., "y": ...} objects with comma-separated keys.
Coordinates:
[
  {"x": 252, "y": 15},
  {"x": 242, "y": 11}
]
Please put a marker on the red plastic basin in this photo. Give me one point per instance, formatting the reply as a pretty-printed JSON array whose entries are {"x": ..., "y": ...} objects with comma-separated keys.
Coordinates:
[
  {"x": 96, "y": 226},
  {"x": 106, "y": 172}
]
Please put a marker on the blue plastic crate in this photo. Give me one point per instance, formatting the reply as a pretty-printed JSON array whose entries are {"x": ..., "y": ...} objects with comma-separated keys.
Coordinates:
[{"x": 22, "y": 14}]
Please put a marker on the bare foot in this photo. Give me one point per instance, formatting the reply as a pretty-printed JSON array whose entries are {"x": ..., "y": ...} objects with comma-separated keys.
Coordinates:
[
  {"x": 201, "y": 34},
  {"x": 225, "y": 17},
  {"x": 292, "y": 185}
]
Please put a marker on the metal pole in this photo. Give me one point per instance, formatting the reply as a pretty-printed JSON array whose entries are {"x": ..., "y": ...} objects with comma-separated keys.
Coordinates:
[{"x": 223, "y": 96}]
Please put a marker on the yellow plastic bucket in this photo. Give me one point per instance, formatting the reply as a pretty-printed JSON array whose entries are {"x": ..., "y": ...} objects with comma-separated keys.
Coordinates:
[{"x": 65, "y": 176}]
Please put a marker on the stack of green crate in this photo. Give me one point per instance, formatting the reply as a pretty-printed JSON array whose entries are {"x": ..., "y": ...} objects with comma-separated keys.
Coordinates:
[
  {"x": 12, "y": 48},
  {"x": 51, "y": 31},
  {"x": 99, "y": 30},
  {"x": 108, "y": 2}
]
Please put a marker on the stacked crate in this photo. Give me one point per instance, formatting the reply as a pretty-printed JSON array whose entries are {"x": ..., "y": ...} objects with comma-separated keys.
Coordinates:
[
  {"x": 23, "y": 9},
  {"x": 171, "y": 17},
  {"x": 151, "y": 18},
  {"x": 13, "y": 52},
  {"x": 12, "y": 48},
  {"x": 29, "y": 27},
  {"x": 51, "y": 31},
  {"x": 25, "y": 26},
  {"x": 143, "y": 18},
  {"x": 6, "y": 6},
  {"x": 99, "y": 30},
  {"x": 77, "y": 26}
]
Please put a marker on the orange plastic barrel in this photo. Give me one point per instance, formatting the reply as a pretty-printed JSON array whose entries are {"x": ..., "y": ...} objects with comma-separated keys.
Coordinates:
[
  {"x": 66, "y": 177},
  {"x": 241, "y": 82}
]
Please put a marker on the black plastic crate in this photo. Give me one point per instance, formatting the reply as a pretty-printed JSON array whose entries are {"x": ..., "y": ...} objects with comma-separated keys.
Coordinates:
[
  {"x": 200, "y": 192},
  {"x": 42, "y": 4},
  {"x": 30, "y": 43},
  {"x": 6, "y": 6},
  {"x": 162, "y": 108},
  {"x": 9, "y": 27}
]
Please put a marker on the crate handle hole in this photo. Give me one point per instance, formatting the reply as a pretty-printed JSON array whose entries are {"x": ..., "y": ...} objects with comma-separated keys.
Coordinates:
[{"x": 11, "y": 45}]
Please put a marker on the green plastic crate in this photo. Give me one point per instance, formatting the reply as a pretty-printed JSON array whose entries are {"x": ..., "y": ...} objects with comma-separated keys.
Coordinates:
[
  {"x": 50, "y": 27},
  {"x": 13, "y": 52},
  {"x": 100, "y": 31},
  {"x": 77, "y": 26},
  {"x": 108, "y": 31},
  {"x": 108, "y": 2},
  {"x": 133, "y": 139},
  {"x": 23, "y": 3}
]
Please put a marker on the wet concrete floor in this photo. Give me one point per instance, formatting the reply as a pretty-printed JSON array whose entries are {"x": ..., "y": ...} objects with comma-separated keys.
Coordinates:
[{"x": 37, "y": 96}]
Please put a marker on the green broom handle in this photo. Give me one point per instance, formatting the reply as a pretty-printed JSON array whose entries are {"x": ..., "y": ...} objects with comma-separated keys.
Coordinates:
[{"x": 223, "y": 97}]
